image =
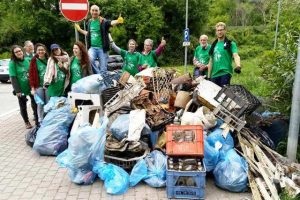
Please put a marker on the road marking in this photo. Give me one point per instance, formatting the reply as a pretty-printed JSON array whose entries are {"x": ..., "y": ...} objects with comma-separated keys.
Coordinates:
[
  {"x": 9, "y": 113},
  {"x": 74, "y": 6}
]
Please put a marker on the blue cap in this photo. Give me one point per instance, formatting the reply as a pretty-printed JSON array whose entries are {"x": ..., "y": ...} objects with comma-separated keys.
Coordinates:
[{"x": 54, "y": 46}]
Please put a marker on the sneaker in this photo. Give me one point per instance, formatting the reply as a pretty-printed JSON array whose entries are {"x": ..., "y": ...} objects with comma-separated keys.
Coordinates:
[{"x": 28, "y": 125}]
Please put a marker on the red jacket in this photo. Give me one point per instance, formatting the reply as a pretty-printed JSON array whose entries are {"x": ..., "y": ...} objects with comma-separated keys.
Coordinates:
[{"x": 33, "y": 73}]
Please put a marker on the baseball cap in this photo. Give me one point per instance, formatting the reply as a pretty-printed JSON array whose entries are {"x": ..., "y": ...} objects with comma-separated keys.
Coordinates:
[{"x": 54, "y": 46}]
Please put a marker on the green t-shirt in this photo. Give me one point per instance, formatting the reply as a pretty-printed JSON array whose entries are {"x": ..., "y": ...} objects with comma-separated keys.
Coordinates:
[
  {"x": 30, "y": 56},
  {"x": 149, "y": 59},
  {"x": 96, "y": 39},
  {"x": 21, "y": 71},
  {"x": 41, "y": 67},
  {"x": 131, "y": 61},
  {"x": 56, "y": 87},
  {"x": 202, "y": 55},
  {"x": 222, "y": 59},
  {"x": 76, "y": 71}
]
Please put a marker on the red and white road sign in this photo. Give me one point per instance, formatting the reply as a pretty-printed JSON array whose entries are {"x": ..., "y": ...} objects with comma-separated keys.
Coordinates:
[{"x": 74, "y": 10}]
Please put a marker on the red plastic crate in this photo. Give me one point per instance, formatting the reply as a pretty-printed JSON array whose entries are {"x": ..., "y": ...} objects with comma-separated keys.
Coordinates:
[{"x": 191, "y": 145}]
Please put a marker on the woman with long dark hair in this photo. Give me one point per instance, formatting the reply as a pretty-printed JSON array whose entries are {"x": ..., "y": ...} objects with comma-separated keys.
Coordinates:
[
  {"x": 57, "y": 73},
  {"x": 18, "y": 72},
  {"x": 79, "y": 63},
  {"x": 37, "y": 71}
]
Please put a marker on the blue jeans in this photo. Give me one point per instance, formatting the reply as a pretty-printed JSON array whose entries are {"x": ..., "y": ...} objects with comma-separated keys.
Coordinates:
[
  {"x": 222, "y": 80},
  {"x": 98, "y": 53},
  {"x": 40, "y": 108}
]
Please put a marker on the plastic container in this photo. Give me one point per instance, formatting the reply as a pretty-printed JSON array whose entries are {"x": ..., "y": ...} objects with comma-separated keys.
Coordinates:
[
  {"x": 185, "y": 140},
  {"x": 108, "y": 93},
  {"x": 237, "y": 100},
  {"x": 176, "y": 187}
]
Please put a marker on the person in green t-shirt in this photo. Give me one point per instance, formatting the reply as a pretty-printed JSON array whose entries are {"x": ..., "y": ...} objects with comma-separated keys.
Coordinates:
[
  {"x": 130, "y": 57},
  {"x": 201, "y": 57},
  {"x": 37, "y": 70},
  {"x": 97, "y": 39},
  {"x": 18, "y": 72},
  {"x": 148, "y": 56},
  {"x": 79, "y": 63},
  {"x": 29, "y": 49},
  {"x": 221, "y": 53},
  {"x": 57, "y": 76}
]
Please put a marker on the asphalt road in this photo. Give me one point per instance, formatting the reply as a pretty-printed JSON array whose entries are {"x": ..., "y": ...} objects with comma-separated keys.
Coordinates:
[{"x": 8, "y": 102}]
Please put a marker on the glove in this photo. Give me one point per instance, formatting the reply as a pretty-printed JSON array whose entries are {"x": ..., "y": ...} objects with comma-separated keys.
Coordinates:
[
  {"x": 237, "y": 70},
  {"x": 120, "y": 20},
  {"x": 77, "y": 26}
]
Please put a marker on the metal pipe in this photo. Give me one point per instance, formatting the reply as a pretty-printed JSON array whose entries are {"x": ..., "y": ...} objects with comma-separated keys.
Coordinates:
[
  {"x": 186, "y": 26},
  {"x": 295, "y": 113},
  {"x": 277, "y": 22}
]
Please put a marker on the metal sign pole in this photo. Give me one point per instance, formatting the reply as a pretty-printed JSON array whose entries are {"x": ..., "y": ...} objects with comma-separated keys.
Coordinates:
[
  {"x": 76, "y": 35},
  {"x": 186, "y": 26}
]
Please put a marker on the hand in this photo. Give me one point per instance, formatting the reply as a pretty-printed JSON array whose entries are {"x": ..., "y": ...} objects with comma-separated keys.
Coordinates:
[
  {"x": 237, "y": 70},
  {"x": 60, "y": 64},
  {"x": 19, "y": 94},
  {"x": 77, "y": 27},
  {"x": 120, "y": 19},
  {"x": 32, "y": 91},
  {"x": 163, "y": 42},
  {"x": 144, "y": 66},
  {"x": 203, "y": 67}
]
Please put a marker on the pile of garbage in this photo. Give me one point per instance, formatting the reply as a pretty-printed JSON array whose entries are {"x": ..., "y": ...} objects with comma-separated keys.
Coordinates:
[{"x": 168, "y": 131}]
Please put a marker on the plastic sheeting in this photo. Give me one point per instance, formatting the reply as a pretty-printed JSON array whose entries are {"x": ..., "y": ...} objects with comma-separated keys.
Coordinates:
[
  {"x": 231, "y": 173},
  {"x": 92, "y": 84},
  {"x": 119, "y": 128},
  {"x": 53, "y": 133},
  {"x": 86, "y": 147}
]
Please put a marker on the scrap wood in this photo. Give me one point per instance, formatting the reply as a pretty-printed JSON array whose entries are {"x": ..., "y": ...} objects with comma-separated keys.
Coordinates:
[
  {"x": 269, "y": 183},
  {"x": 254, "y": 188},
  {"x": 263, "y": 189},
  {"x": 263, "y": 159},
  {"x": 291, "y": 187}
]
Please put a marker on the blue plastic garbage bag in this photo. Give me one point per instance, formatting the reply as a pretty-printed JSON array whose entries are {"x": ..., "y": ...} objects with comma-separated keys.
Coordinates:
[
  {"x": 156, "y": 162},
  {"x": 116, "y": 179},
  {"x": 231, "y": 173},
  {"x": 53, "y": 133},
  {"x": 211, "y": 156},
  {"x": 138, "y": 173},
  {"x": 119, "y": 128},
  {"x": 216, "y": 135},
  {"x": 93, "y": 84},
  {"x": 86, "y": 147}
]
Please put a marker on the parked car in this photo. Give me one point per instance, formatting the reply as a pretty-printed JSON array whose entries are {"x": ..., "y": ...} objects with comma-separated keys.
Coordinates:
[{"x": 4, "y": 74}]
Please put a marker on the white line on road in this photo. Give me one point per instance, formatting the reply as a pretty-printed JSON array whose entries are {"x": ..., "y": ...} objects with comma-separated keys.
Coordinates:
[{"x": 74, "y": 6}]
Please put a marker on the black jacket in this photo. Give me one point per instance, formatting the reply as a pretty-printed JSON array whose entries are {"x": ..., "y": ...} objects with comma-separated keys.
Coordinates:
[{"x": 105, "y": 25}]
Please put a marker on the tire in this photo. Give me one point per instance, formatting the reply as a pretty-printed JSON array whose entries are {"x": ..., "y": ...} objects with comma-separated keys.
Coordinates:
[{"x": 3, "y": 81}]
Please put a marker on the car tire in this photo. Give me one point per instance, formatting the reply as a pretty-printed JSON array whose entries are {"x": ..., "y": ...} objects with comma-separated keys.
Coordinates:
[{"x": 3, "y": 81}]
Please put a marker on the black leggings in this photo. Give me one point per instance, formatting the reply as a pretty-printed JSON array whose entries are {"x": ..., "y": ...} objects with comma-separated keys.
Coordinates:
[{"x": 23, "y": 107}]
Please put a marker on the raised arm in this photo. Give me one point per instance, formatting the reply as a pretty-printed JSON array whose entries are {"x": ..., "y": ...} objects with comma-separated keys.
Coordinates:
[
  {"x": 161, "y": 47},
  {"x": 113, "y": 45}
]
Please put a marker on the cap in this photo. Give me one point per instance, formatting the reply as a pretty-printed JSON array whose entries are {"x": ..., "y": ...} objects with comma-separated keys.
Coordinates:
[{"x": 54, "y": 46}]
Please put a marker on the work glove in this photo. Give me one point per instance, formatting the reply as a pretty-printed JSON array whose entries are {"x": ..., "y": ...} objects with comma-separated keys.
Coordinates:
[
  {"x": 237, "y": 70},
  {"x": 120, "y": 19},
  {"x": 77, "y": 26}
]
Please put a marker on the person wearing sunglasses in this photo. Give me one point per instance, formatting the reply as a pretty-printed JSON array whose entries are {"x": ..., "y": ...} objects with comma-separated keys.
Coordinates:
[{"x": 19, "y": 76}]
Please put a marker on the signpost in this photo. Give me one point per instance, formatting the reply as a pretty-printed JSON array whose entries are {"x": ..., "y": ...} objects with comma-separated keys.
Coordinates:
[
  {"x": 74, "y": 10},
  {"x": 186, "y": 35}
]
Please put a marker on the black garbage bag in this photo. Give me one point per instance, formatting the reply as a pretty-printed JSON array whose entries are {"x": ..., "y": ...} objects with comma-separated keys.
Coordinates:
[{"x": 31, "y": 135}]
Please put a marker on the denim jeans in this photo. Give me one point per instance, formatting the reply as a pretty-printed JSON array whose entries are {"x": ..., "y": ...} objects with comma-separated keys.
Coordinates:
[
  {"x": 222, "y": 80},
  {"x": 98, "y": 53},
  {"x": 40, "y": 108}
]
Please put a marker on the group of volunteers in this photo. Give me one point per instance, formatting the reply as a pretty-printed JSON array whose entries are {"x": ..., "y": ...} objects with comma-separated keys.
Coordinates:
[{"x": 37, "y": 74}]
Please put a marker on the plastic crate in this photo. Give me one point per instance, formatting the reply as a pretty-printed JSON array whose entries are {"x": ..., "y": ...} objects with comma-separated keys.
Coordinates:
[
  {"x": 178, "y": 190},
  {"x": 126, "y": 164},
  {"x": 229, "y": 118},
  {"x": 108, "y": 93},
  {"x": 237, "y": 100},
  {"x": 191, "y": 144}
]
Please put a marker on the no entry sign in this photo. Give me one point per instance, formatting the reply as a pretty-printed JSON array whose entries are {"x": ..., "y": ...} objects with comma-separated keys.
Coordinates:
[{"x": 74, "y": 10}]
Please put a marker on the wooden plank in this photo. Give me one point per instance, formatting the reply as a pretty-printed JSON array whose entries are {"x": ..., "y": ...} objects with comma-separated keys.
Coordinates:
[
  {"x": 268, "y": 181},
  {"x": 262, "y": 189},
  {"x": 255, "y": 191}
]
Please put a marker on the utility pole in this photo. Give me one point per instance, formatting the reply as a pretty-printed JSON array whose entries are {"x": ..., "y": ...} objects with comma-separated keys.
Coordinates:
[
  {"x": 295, "y": 113},
  {"x": 277, "y": 22}
]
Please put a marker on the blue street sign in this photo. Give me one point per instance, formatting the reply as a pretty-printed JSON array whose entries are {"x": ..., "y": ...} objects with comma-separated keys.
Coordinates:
[{"x": 186, "y": 36}]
